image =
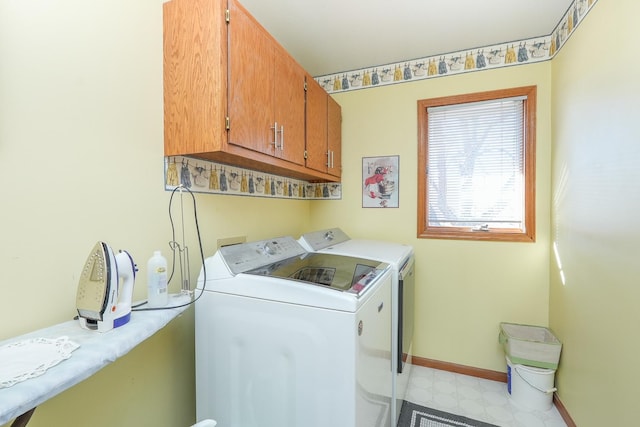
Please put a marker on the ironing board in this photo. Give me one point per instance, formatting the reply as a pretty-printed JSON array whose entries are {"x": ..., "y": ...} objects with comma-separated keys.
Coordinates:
[{"x": 96, "y": 351}]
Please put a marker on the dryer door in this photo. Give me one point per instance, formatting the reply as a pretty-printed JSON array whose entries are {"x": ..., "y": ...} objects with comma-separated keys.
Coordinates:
[{"x": 406, "y": 294}]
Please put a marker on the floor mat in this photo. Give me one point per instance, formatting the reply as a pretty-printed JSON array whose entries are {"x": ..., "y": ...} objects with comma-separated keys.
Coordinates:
[{"x": 412, "y": 415}]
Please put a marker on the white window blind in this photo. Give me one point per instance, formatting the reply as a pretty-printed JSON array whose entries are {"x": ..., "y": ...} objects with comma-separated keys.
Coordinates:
[{"x": 475, "y": 165}]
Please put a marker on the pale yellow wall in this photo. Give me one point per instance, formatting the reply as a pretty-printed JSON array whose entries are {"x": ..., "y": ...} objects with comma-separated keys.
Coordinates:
[
  {"x": 81, "y": 155},
  {"x": 81, "y": 137},
  {"x": 596, "y": 199},
  {"x": 464, "y": 289}
]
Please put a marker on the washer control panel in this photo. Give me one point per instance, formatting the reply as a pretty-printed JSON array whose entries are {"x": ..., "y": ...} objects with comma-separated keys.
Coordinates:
[{"x": 248, "y": 256}]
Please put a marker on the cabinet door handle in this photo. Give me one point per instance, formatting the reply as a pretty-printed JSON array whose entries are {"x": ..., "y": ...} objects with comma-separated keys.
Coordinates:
[
  {"x": 331, "y": 159},
  {"x": 282, "y": 137},
  {"x": 275, "y": 135}
]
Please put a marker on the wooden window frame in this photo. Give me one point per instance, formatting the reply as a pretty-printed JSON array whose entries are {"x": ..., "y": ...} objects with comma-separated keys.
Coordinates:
[{"x": 466, "y": 233}]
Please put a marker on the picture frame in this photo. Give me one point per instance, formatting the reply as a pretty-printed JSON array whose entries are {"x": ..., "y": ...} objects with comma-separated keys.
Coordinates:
[{"x": 380, "y": 182}]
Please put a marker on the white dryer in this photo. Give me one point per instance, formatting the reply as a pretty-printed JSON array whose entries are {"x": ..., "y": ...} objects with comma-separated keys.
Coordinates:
[
  {"x": 402, "y": 261},
  {"x": 287, "y": 338}
]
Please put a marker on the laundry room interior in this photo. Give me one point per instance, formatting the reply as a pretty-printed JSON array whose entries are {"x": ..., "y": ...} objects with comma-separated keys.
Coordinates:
[{"x": 81, "y": 144}]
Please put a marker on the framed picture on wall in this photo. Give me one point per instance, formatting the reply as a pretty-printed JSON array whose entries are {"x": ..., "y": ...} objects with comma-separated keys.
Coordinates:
[{"x": 380, "y": 183}]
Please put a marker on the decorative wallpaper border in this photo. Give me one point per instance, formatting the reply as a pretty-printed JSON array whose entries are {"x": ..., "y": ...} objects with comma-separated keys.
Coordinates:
[
  {"x": 203, "y": 176},
  {"x": 478, "y": 59}
]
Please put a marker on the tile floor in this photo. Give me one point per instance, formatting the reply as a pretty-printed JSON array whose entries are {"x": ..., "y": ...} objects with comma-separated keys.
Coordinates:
[{"x": 476, "y": 398}]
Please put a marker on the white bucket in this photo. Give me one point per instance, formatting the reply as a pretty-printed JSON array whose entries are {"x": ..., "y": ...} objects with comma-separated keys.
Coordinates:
[
  {"x": 205, "y": 423},
  {"x": 530, "y": 387}
]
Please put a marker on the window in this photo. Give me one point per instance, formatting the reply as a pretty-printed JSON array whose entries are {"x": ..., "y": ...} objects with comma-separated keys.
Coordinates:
[{"x": 476, "y": 166}]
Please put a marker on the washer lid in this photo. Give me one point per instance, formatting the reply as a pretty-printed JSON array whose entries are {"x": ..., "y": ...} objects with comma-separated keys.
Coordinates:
[{"x": 341, "y": 273}]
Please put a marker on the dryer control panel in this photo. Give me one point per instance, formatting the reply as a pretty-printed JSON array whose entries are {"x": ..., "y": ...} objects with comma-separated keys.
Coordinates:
[
  {"x": 248, "y": 256},
  {"x": 318, "y": 240}
]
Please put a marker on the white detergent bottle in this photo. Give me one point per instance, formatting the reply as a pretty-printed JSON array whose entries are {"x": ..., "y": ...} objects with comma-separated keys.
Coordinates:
[{"x": 157, "y": 293}]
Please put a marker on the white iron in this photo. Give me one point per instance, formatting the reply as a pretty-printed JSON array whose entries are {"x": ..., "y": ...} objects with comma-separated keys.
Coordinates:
[{"x": 102, "y": 304}]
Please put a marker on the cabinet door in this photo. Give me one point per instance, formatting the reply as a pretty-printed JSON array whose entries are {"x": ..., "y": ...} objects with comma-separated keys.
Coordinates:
[
  {"x": 316, "y": 126},
  {"x": 250, "y": 80},
  {"x": 289, "y": 107},
  {"x": 334, "y": 137},
  {"x": 195, "y": 83}
]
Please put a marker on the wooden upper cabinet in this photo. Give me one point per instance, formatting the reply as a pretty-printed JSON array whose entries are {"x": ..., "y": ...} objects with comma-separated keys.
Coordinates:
[
  {"x": 289, "y": 107},
  {"x": 317, "y": 99},
  {"x": 334, "y": 137},
  {"x": 232, "y": 94},
  {"x": 266, "y": 91},
  {"x": 324, "y": 130},
  {"x": 195, "y": 76},
  {"x": 250, "y": 80}
]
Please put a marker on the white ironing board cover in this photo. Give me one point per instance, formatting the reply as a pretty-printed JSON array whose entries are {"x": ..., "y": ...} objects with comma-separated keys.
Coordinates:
[{"x": 96, "y": 350}]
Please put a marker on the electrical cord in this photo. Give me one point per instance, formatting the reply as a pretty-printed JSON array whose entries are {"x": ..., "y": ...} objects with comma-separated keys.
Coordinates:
[{"x": 173, "y": 262}]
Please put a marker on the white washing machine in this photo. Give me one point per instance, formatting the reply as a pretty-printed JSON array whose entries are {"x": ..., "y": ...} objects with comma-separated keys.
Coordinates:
[
  {"x": 402, "y": 261},
  {"x": 287, "y": 338}
]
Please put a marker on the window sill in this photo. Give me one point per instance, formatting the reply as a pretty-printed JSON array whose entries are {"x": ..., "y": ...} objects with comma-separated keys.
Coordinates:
[{"x": 468, "y": 234}]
